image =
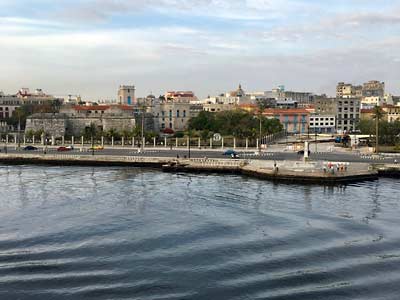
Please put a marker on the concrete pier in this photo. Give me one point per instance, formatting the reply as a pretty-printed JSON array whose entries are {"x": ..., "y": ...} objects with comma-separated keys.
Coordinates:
[{"x": 316, "y": 172}]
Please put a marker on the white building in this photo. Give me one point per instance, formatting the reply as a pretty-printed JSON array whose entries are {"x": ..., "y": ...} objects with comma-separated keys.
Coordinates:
[{"x": 322, "y": 123}]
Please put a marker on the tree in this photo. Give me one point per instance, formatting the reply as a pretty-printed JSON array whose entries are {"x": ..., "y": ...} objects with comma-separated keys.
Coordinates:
[
  {"x": 377, "y": 116},
  {"x": 112, "y": 132},
  {"x": 238, "y": 123}
]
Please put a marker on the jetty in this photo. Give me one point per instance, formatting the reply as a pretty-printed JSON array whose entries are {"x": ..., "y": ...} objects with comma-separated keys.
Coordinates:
[{"x": 315, "y": 172}]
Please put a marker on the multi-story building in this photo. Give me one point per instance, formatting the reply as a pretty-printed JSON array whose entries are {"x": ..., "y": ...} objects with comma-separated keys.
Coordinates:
[
  {"x": 373, "y": 88},
  {"x": 348, "y": 114},
  {"x": 173, "y": 115},
  {"x": 126, "y": 95},
  {"x": 181, "y": 96},
  {"x": 391, "y": 113},
  {"x": 345, "y": 110},
  {"x": 294, "y": 121},
  {"x": 38, "y": 97},
  {"x": 8, "y": 104},
  {"x": 218, "y": 107},
  {"x": 280, "y": 94},
  {"x": 229, "y": 99},
  {"x": 322, "y": 123},
  {"x": 347, "y": 90}
]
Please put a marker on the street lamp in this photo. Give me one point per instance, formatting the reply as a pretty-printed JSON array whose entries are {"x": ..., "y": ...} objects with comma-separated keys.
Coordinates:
[
  {"x": 190, "y": 131},
  {"x": 19, "y": 131},
  {"x": 315, "y": 131},
  {"x": 142, "y": 131}
]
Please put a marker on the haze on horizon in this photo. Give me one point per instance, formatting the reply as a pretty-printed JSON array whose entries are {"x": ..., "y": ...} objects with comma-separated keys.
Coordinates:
[{"x": 208, "y": 46}]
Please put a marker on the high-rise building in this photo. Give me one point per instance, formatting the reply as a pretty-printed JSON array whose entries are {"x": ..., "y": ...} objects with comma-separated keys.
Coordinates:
[
  {"x": 347, "y": 90},
  {"x": 126, "y": 95},
  {"x": 345, "y": 110},
  {"x": 373, "y": 88}
]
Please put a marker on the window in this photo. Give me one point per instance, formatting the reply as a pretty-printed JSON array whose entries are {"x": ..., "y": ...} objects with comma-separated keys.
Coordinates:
[
  {"x": 170, "y": 125},
  {"x": 184, "y": 113},
  {"x": 177, "y": 113}
]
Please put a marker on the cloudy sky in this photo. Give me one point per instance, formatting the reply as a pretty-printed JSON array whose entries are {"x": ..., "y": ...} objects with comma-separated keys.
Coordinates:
[{"x": 208, "y": 46}]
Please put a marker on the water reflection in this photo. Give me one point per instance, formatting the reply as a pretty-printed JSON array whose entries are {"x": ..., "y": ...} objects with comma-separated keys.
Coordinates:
[{"x": 118, "y": 233}]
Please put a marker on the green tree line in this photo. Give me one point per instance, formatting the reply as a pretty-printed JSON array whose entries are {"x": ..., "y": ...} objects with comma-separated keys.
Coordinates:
[
  {"x": 389, "y": 133},
  {"x": 238, "y": 123}
]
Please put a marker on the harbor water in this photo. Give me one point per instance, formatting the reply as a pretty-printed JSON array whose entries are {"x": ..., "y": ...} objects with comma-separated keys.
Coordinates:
[{"x": 125, "y": 233}]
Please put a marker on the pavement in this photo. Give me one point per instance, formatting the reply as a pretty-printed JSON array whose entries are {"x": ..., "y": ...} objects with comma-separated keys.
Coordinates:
[{"x": 325, "y": 152}]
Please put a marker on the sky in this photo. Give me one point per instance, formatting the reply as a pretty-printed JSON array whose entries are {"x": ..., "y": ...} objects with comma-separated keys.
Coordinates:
[{"x": 90, "y": 47}]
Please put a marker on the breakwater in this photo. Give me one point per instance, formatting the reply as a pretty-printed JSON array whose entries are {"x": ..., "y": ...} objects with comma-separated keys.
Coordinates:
[{"x": 287, "y": 171}]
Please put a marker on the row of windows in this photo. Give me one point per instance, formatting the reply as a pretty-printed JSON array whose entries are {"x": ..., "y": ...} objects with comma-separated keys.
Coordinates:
[
  {"x": 163, "y": 125},
  {"x": 177, "y": 113},
  {"x": 322, "y": 119},
  {"x": 322, "y": 124},
  {"x": 6, "y": 109},
  {"x": 96, "y": 112}
]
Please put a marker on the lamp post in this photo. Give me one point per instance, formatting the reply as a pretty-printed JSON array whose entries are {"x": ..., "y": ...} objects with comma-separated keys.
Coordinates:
[
  {"x": 142, "y": 131},
  {"x": 91, "y": 137},
  {"x": 315, "y": 131},
  {"x": 190, "y": 131},
  {"x": 19, "y": 131}
]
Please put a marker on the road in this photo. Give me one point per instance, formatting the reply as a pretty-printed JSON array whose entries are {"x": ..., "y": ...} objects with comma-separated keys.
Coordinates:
[{"x": 195, "y": 153}]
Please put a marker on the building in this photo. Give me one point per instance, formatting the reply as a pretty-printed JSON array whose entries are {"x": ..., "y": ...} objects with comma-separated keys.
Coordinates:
[
  {"x": 347, "y": 90},
  {"x": 181, "y": 96},
  {"x": 348, "y": 114},
  {"x": 391, "y": 113},
  {"x": 72, "y": 120},
  {"x": 218, "y": 107},
  {"x": 373, "y": 88},
  {"x": 126, "y": 95},
  {"x": 322, "y": 123},
  {"x": 294, "y": 121},
  {"x": 173, "y": 115},
  {"x": 281, "y": 95},
  {"x": 38, "y": 97},
  {"x": 8, "y": 104},
  {"x": 345, "y": 110},
  {"x": 229, "y": 100}
]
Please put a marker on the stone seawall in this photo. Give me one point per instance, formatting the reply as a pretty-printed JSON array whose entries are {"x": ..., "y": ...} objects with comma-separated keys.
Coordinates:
[{"x": 286, "y": 171}]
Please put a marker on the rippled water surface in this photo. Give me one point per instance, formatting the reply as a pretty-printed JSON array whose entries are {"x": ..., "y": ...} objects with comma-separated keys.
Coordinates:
[{"x": 117, "y": 233}]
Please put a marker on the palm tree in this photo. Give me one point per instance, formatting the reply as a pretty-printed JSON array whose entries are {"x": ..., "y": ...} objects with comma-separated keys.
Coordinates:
[{"x": 377, "y": 116}]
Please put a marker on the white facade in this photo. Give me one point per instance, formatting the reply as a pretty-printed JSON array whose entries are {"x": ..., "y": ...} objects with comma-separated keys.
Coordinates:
[{"x": 323, "y": 123}]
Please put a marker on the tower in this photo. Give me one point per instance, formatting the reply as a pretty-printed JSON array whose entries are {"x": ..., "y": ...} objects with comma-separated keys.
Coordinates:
[{"x": 126, "y": 95}]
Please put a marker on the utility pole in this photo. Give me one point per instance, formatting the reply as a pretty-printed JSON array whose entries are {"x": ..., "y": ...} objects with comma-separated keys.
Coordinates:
[
  {"x": 377, "y": 133},
  {"x": 189, "y": 142},
  {"x": 19, "y": 130},
  {"x": 315, "y": 130},
  {"x": 142, "y": 133},
  {"x": 259, "y": 138}
]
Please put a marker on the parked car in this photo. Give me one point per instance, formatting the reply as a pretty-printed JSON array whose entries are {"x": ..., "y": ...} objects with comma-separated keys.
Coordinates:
[
  {"x": 96, "y": 148},
  {"x": 230, "y": 152},
  {"x": 301, "y": 152},
  {"x": 29, "y": 148},
  {"x": 235, "y": 156},
  {"x": 70, "y": 147},
  {"x": 62, "y": 149}
]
